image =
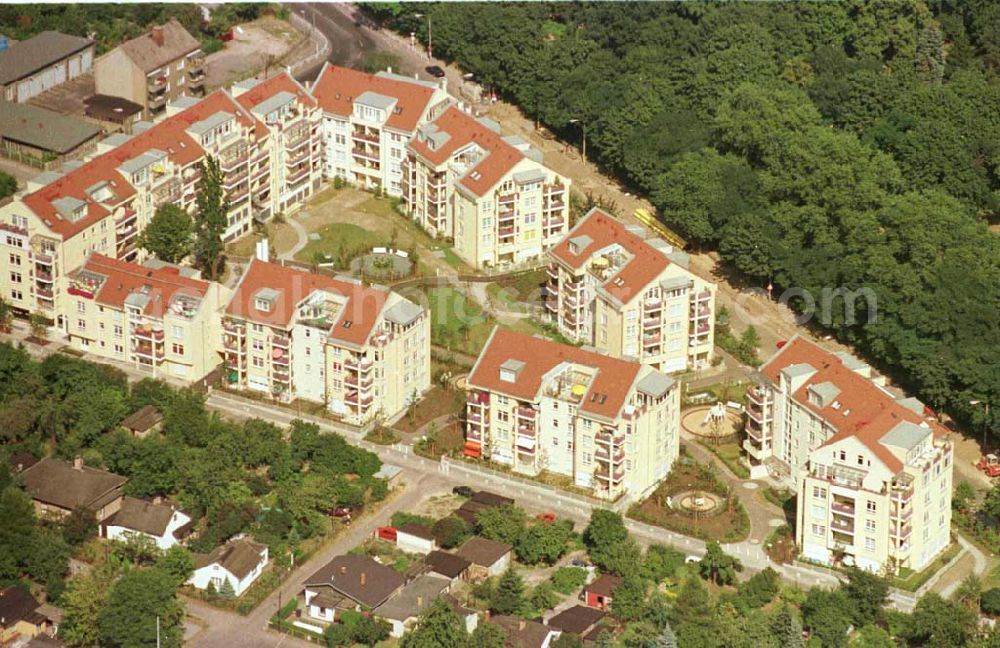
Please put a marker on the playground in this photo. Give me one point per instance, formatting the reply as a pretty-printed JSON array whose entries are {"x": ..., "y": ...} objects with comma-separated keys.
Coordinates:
[{"x": 712, "y": 423}]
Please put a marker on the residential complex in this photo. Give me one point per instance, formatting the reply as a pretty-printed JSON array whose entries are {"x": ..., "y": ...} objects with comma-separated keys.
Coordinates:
[
  {"x": 492, "y": 194},
  {"x": 535, "y": 405},
  {"x": 32, "y": 66},
  {"x": 153, "y": 69},
  {"x": 156, "y": 315},
  {"x": 267, "y": 145},
  {"x": 363, "y": 351},
  {"x": 872, "y": 470},
  {"x": 368, "y": 120},
  {"x": 631, "y": 295}
]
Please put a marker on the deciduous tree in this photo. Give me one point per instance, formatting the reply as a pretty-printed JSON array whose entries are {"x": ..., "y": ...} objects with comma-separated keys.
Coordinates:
[{"x": 168, "y": 234}]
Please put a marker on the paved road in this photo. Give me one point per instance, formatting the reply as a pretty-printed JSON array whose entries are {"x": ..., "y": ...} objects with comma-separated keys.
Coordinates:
[{"x": 349, "y": 44}]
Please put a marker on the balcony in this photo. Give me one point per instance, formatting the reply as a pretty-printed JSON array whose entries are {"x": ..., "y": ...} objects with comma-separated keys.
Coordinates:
[
  {"x": 196, "y": 78},
  {"x": 127, "y": 218},
  {"x": 504, "y": 232},
  {"x": 43, "y": 276},
  {"x": 354, "y": 364},
  {"x": 527, "y": 413},
  {"x": 233, "y": 160},
  {"x": 651, "y": 340},
  {"x": 553, "y": 271},
  {"x": 354, "y": 398},
  {"x": 281, "y": 342},
  {"x": 843, "y": 508},
  {"x": 652, "y": 305},
  {"x": 148, "y": 333},
  {"x": 281, "y": 376},
  {"x": 478, "y": 398},
  {"x": 44, "y": 293},
  {"x": 280, "y": 361},
  {"x": 353, "y": 380},
  {"x": 232, "y": 345},
  {"x": 232, "y": 327},
  {"x": 157, "y": 101},
  {"x": 156, "y": 83},
  {"x": 148, "y": 351},
  {"x": 650, "y": 323},
  {"x": 366, "y": 136},
  {"x": 297, "y": 176}
]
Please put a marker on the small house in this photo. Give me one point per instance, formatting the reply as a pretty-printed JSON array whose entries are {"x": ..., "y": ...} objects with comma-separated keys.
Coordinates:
[
  {"x": 401, "y": 611},
  {"x": 487, "y": 557},
  {"x": 57, "y": 487},
  {"x": 240, "y": 562},
  {"x": 522, "y": 633},
  {"x": 143, "y": 421},
  {"x": 447, "y": 565},
  {"x": 347, "y": 583},
  {"x": 578, "y": 620},
  {"x": 160, "y": 521},
  {"x": 415, "y": 538},
  {"x": 19, "y": 615},
  {"x": 599, "y": 593}
]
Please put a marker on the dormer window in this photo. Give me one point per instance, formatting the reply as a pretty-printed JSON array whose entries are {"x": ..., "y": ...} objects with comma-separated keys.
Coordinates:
[
  {"x": 510, "y": 370},
  {"x": 262, "y": 305}
]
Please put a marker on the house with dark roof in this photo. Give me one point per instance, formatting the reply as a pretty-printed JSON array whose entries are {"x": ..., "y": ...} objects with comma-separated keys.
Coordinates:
[
  {"x": 487, "y": 557},
  {"x": 162, "y": 522},
  {"x": 415, "y": 538},
  {"x": 401, "y": 611},
  {"x": 112, "y": 114},
  {"x": 535, "y": 404},
  {"x": 361, "y": 350},
  {"x": 20, "y": 617},
  {"x": 240, "y": 561},
  {"x": 579, "y": 620},
  {"x": 144, "y": 420},
  {"x": 30, "y": 67},
  {"x": 57, "y": 488},
  {"x": 371, "y": 117},
  {"x": 40, "y": 134},
  {"x": 447, "y": 564},
  {"x": 522, "y": 633},
  {"x": 600, "y": 592},
  {"x": 349, "y": 582},
  {"x": 153, "y": 69}
]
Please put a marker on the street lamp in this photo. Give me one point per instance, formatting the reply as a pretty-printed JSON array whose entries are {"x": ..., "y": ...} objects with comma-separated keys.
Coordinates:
[
  {"x": 986, "y": 417},
  {"x": 430, "y": 41},
  {"x": 583, "y": 128}
]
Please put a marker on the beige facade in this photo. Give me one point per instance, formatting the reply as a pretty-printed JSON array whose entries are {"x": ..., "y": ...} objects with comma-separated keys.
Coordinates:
[
  {"x": 362, "y": 351},
  {"x": 153, "y": 69},
  {"x": 535, "y": 405},
  {"x": 38, "y": 64},
  {"x": 872, "y": 468},
  {"x": 613, "y": 286},
  {"x": 492, "y": 195},
  {"x": 156, "y": 316}
]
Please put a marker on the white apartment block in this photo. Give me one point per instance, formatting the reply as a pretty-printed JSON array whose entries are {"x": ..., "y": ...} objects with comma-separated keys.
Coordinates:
[
  {"x": 362, "y": 351},
  {"x": 492, "y": 195},
  {"x": 872, "y": 470},
  {"x": 102, "y": 204},
  {"x": 535, "y": 405},
  {"x": 368, "y": 119},
  {"x": 630, "y": 294}
]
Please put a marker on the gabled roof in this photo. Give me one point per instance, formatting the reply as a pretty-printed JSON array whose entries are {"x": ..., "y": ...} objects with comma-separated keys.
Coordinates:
[
  {"x": 860, "y": 408},
  {"x": 154, "y": 290},
  {"x": 613, "y": 379},
  {"x": 273, "y": 87},
  {"x": 462, "y": 131},
  {"x": 576, "y": 620},
  {"x": 148, "y": 55},
  {"x": 169, "y": 136},
  {"x": 415, "y": 597},
  {"x": 604, "y": 585},
  {"x": 292, "y": 286},
  {"x": 359, "y": 578},
  {"x": 446, "y": 564},
  {"x": 416, "y": 530},
  {"x": 336, "y": 88},
  {"x": 143, "y": 419},
  {"x": 597, "y": 231},
  {"x": 29, "y": 56},
  {"x": 239, "y": 557},
  {"x": 522, "y": 633},
  {"x": 17, "y": 604},
  {"x": 44, "y": 129},
  {"x": 61, "y": 484},
  {"x": 483, "y": 551},
  {"x": 144, "y": 516}
]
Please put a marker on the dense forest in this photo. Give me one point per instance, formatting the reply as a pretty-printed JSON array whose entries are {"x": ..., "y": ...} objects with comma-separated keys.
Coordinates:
[{"x": 813, "y": 144}]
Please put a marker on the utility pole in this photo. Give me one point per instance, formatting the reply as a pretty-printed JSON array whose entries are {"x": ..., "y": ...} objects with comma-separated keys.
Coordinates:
[
  {"x": 986, "y": 418},
  {"x": 157, "y": 631}
]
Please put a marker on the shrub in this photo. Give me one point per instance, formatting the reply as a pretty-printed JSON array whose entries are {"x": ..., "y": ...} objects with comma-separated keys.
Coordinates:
[
  {"x": 565, "y": 580},
  {"x": 989, "y": 602}
]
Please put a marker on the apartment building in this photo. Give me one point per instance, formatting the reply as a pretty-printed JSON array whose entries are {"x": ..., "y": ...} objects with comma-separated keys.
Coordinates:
[
  {"x": 158, "y": 316},
  {"x": 630, "y": 294},
  {"x": 535, "y": 405},
  {"x": 288, "y": 166},
  {"x": 462, "y": 179},
  {"x": 101, "y": 205},
  {"x": 362, "y": 351},
  {"x": 153, "y": 69},
  {"x": 872, "y": 469},
  {"x": 368, "y": 119}
]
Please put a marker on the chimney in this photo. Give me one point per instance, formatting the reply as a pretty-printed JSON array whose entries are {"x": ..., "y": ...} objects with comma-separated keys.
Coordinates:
[
  {"x": 157, "y": 35},
  {"x": 364, "y": 579},
  {"x": 78, "y": 463}
]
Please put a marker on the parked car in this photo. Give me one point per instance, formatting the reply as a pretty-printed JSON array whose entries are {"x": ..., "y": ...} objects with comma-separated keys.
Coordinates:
[
  {"x": 342, "y": 512},
  {"x": 582, "y": 564},
  {"x": 547, "y": 517},
  {"x": 463, "y": 491},
  {"x": 435, "y": 71}
]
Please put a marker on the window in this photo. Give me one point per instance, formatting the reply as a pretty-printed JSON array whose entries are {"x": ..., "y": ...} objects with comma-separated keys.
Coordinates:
[
  {"x": 869, "y": 544},
  {"x": 871, "y": 506},
  {"x": 819, "y": 492},
  {"x": 861, "y": 460},
  {"x": 117, "y": 330},
  {"x": 16, "y": 294},
  {"x": 15, "y": 277},
  {"x": 177, "y": 349},
  {"x": 15, "y": 259},
  {"x": 81, "y": 307},
  {"x": 870, "y": 526},
  {"x": 818, "y": 530},
  {"x": 258, "y": 362},
  {"x": 177, "y": 332},
  {"x": 81, "y": 324},
  {"x": 819, "y": 511}
]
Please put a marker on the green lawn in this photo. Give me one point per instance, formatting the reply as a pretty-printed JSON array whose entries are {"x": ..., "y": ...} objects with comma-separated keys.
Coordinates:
[
  {"x": 341, "y": 242},
  {"x": 457, "y": 322}
]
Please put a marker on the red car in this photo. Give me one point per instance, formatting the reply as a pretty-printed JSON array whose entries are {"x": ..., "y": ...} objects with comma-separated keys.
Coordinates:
[{"x": 548, "y": 518}]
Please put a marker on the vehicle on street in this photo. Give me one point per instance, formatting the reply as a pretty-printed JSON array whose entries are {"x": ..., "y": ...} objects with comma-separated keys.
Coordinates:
[
  {"x": 463, "y": 491},
  {"x": 989, "y": 464},
  {"x": 435, "y": 71},
  {"x": 547, "y": 517}
]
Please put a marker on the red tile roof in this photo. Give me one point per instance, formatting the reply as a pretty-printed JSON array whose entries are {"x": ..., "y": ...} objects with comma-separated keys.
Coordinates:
[
  {"x": 864, "y": 411},
  {"x": 362, "y": 309},
  {"x": 499, "y": 157},
  {"x": 169, "y": 136},
  {"x": 125, "y": 278},
  {"x": 270, "y": 87},
  {"x": 613, "y": 378},
  {"x": 646, "y": 264},
  {"x": 336, "y": 88}
]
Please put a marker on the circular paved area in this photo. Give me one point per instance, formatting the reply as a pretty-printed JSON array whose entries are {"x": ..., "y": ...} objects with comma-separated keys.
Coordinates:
[
  {"x": 749, "y": 485},
  {"x": 697, "y": 422}
]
